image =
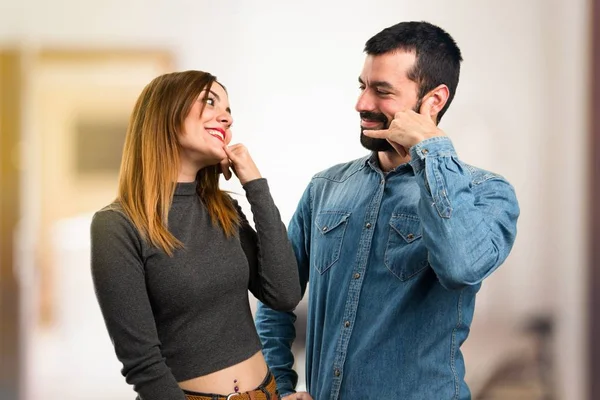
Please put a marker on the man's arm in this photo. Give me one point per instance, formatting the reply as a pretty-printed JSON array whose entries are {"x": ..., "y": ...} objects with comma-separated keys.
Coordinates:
[
  {"x": 275, "y": 328},
  {"x": 469, "y": 227}
]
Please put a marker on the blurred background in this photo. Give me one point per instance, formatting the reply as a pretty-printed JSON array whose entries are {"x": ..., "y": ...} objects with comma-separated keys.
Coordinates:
[{"x": 71, "y": 70}]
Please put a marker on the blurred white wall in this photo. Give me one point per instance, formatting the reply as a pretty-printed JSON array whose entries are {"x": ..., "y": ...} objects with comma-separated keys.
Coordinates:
[{"x": 291, "y": 70}]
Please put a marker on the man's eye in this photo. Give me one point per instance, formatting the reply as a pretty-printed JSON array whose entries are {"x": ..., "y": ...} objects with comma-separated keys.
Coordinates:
[
  {"x": 361, "y": 87},
  {"x": 379, "y": 92}
]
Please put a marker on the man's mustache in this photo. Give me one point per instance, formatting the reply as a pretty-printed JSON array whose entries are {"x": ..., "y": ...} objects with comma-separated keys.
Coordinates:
[{"x": 372, "y": 116}]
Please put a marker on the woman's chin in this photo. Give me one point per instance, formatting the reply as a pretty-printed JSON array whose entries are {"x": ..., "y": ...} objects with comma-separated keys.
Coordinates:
[{"x": 211, "y": 160}]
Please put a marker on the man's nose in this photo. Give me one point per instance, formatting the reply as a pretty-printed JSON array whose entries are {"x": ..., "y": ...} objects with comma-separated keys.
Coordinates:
[{"x": 365, "y": 102}]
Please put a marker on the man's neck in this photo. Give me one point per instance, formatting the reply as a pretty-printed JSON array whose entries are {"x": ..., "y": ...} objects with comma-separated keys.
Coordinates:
[{"x": 388, "y": 160}]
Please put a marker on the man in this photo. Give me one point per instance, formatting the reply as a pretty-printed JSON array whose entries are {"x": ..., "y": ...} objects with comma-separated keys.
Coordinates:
[{"x": 396, "y": 244}]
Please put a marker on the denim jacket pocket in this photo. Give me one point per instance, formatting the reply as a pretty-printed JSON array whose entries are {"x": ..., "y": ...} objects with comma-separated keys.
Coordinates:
[
  {"x": 405, "y": 254},
  {"x": 331, "y": 226}
]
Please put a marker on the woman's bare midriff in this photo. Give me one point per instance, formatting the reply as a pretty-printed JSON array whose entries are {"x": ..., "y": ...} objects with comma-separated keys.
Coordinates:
[{"x": 246, "y": 376}]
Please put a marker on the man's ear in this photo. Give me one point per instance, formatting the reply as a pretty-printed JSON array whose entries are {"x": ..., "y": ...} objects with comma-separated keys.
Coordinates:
[{"x": 436, "y": 99}]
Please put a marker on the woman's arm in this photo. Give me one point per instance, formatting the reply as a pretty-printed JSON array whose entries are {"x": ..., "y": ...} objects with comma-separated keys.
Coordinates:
[
  {"x": 273, "y": 268},
  {"x": 119, "y": 282}
]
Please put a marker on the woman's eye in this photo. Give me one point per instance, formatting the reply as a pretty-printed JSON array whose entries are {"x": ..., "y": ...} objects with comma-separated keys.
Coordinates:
[{"x": 210, "y": 101}]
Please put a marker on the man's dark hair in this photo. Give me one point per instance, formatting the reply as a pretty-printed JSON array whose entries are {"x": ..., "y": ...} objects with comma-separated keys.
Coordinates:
[{"x": 438, "y": 57}]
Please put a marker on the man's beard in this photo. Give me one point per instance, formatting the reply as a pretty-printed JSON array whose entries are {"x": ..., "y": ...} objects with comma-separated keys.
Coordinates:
[
  {"x": 379, "y": 144},
  {"x": 372, "y": 143}
]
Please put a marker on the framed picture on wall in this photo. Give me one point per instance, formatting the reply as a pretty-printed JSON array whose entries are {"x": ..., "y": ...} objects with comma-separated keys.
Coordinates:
[
  {"x": 76, "y": 109},
  {"x": 79, "y": 107}
]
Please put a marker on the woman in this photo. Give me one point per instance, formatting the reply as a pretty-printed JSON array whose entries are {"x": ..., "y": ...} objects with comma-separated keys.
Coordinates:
[{"x": 173, "y": 257}]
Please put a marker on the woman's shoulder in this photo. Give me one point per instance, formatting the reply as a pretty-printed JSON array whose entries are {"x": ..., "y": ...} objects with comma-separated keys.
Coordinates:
[
  {"x": 113, "y": 211},
  {"x": 111, "y": 218}
]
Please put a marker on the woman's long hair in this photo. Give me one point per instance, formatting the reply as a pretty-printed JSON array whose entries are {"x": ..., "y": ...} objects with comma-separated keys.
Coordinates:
[{"x": 150, "y": 163}]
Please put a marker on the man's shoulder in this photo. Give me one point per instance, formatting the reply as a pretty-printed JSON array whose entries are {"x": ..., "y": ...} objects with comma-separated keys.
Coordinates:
[
  {"x": 480, "y": 175},
  {"x": 341, "y": 172}
]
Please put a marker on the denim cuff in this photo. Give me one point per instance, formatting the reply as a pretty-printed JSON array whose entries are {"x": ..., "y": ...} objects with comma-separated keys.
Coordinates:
[{"x": 438, "y": 146}]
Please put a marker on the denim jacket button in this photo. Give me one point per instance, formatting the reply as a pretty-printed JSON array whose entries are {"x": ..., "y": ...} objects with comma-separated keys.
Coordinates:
[
  {"x": 410, "y": 236},
  {"x": 356, "y": 275},
  {"x": 368, "y": 225},
  {"x": 347, "y": 324},
  {"x": 337, "y": 372},
  {"x": 325, "y": 229},
  {"x": 424, "y": 151}
]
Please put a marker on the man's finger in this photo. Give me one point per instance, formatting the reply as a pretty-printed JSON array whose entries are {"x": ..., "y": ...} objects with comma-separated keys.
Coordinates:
[
  {"x": 426, "y": 107},
  {"x": 399, "y": 149},
  {"x": 380, "y": 134}
]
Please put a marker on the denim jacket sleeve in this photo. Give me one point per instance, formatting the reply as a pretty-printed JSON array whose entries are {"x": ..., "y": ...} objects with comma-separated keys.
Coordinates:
[
  {"x": 469, "y": 216},
  {"x": 276, "y": 328}
]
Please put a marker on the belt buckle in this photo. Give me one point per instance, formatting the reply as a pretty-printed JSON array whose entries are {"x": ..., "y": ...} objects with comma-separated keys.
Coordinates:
[{"x": 232, "y": 395}]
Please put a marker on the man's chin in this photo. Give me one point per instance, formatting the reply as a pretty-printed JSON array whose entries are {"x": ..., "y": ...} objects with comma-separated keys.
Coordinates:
[{"x": 375, "y": 144}]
